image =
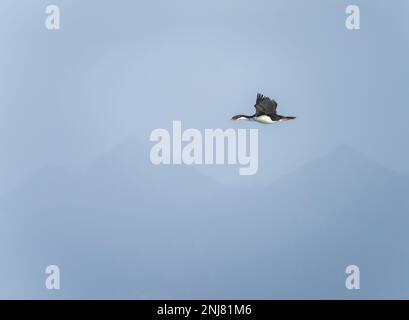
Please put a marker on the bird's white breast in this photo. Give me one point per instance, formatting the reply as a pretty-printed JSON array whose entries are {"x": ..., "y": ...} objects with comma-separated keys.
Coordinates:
[{"x": 264, "y": 119}]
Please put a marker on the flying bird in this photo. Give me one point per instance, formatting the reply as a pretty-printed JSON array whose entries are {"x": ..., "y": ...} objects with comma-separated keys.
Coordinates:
[{"x": 266, "y": 112}]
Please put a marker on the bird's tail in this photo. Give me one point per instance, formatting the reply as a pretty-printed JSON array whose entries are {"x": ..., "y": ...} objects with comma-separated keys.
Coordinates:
[{"x": 288, "y": 118}]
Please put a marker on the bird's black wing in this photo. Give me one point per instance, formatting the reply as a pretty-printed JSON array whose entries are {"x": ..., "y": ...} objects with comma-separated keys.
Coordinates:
[{"x": 265, "y": 106}]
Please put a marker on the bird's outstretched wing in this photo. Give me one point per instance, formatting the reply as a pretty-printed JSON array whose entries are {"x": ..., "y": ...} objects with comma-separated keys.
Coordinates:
[{"x": 265, "y": 106}]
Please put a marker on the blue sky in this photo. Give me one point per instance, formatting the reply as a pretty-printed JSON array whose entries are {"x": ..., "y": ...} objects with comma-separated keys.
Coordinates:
[
  {"x": 74, "y": 103},
  {"x": 122, "y": 69}
]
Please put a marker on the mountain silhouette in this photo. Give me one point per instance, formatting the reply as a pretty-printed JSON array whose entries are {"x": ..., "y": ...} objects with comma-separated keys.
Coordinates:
[
  {"x": 121, "y": 231},
  {"x": 335, "y": 211}
]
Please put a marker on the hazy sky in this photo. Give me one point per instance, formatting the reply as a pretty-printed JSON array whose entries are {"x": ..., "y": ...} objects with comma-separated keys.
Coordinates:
[
  {"x": 118, "y": 69},
  {"x": 77, "y": 107}
]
